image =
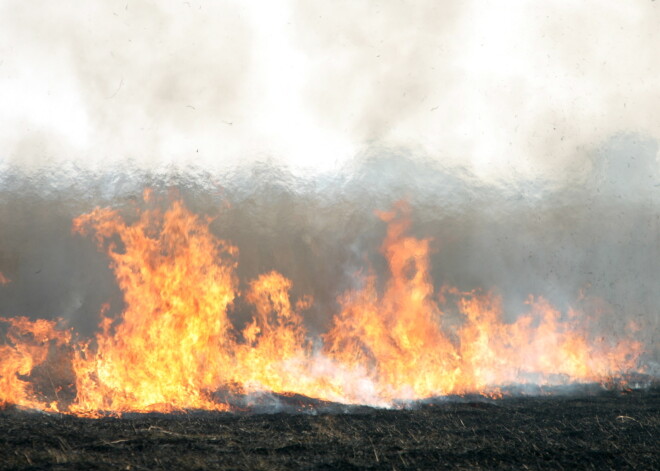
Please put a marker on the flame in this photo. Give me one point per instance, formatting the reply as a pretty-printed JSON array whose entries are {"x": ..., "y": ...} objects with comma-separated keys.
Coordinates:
[
  {"x": 399, "y": 337},
  {"x": 28, "y": 345},
  {"x": 174, "y": 346},
  {"x": 169, "y": 350},
  {"x": 3, "y": 279}
]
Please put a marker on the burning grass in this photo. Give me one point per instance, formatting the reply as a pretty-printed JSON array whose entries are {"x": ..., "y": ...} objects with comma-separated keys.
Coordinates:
[
  {"x": 609, "y": 430},
  {"x": 393, "y": 339}
]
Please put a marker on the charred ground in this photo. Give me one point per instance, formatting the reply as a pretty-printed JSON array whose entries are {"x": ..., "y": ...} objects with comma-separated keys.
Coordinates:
[{"x": 611, "y": 430}]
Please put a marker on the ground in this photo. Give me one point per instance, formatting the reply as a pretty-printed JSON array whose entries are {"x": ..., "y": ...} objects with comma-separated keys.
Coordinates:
[{"x": 609, "y": 430}]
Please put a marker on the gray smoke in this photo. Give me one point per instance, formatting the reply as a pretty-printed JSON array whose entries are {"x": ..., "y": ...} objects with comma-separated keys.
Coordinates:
[
  {"x": 524, "y": 135},
  {"x": 590, "y": 244}
]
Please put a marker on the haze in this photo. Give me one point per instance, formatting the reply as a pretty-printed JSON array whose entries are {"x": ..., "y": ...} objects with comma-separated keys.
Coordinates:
[{"x": 507, "y": 90}]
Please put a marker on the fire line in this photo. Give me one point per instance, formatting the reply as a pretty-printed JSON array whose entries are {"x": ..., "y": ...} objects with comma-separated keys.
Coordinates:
[{"x": 174, "y": 346}]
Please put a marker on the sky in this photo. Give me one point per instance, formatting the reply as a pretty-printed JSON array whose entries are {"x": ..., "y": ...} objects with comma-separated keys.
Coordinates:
[{"x": 508, "y": 89}]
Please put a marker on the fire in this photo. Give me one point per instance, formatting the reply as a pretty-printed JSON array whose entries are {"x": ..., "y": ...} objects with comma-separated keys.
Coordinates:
[
  {"x": 170, "y": 348},
  {"x": 175, "y": 347},
  {"x": 28, "y": 345},
  {"x": 399, "y": 337}
]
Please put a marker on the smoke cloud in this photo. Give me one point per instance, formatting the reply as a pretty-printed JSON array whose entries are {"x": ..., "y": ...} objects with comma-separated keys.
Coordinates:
[
  {"x": 524, "y": 135},
  {"x": 516, "y": 90}
]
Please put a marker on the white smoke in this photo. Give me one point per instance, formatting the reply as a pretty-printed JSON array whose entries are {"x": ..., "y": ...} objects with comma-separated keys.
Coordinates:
[
  {"x": 515, "y": 89},
  {"x": 525, "y": 135}
]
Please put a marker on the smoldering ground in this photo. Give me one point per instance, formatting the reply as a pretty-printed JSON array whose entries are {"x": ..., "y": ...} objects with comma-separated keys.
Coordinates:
[{"x": 607, "y": 431}]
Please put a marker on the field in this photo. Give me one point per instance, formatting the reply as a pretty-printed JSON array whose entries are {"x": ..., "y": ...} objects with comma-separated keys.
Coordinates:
[{"x": 608, "y": 430}]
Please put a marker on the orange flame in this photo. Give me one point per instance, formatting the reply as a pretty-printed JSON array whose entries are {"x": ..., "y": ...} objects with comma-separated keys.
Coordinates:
[
  {"x": 175, "y": 348},
  {"x": 28, "y": 346},
  {"x": 399, "y": 336},
  {"x": 168, "y": 351}
]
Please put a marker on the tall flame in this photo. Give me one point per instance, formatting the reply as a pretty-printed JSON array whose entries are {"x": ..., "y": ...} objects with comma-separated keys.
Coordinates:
[
  {"x": 174, "y": 346},
  {"x": 170, "y": 348}
]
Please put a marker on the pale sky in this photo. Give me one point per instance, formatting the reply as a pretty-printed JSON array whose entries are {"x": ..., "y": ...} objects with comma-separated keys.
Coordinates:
[{"x": 523, "y": 88}]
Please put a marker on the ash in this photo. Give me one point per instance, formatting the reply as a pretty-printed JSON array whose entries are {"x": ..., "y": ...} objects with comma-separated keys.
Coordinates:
[{"x": 609, "y": 430}]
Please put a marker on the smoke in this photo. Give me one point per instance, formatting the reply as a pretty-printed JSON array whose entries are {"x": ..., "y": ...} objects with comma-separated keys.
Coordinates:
[
  {"x": 593, "y": 246},
  {"x": 523, "y": 135},
  {"x": 510, "y": 91}
]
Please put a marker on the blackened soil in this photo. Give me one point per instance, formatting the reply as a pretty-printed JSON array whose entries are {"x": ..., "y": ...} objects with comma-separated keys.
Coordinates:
[{"x": 606, "y": 431}]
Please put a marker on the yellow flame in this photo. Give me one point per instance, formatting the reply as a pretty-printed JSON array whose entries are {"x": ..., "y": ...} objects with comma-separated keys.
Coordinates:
[
  {"x": 28, "y": 344},
  {"x": 174, "y": 346}
]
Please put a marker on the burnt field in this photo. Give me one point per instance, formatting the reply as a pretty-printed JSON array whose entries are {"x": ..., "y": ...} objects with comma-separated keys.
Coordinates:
[{"x": 609, "y": 430}]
